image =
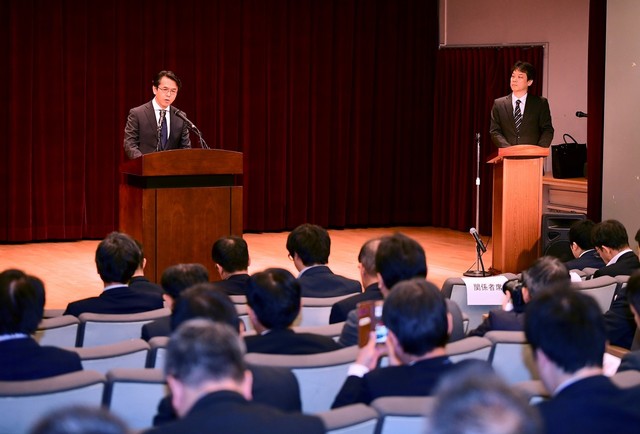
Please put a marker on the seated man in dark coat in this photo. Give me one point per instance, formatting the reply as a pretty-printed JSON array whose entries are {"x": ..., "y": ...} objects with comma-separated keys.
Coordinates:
[
  {"x": 631, "y": 360},
  {"x": 211, "y": 386},
  {"x": 22, "y": 300},
  {"x": 309, "y": 247},
  {"x": 117, "y": 258},
  {"x": 273, "y": 296},
  {"x": 568, "y": 337},
  {"x": 138, "y": 281},
  {"x": 585, "y": 255},
  {"x": 415, "y": 315},
  {"x": 231, "y": 255}
]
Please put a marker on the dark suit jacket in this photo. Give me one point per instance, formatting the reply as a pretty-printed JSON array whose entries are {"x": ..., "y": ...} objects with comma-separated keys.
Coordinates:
[
  {"x": 24, "y": 359},
  {"x": 289, "y": 342},
  {"x": 624, "y": 266},
  {"x": 229, "y": 413},
  {"x": 321, "y": 282},
  {"x": 418, "y": 379},
  {"x": 499, "y": 319},
  {"x": 589, "y": 259},
  {"x": 341, "y": 309},
  {"x": 234, "y": 285},
  {"x": 592, "y": 405},
  {"x": 274, "y": 386},
  {"x": 536, "y": 127},
  {"x": 118, "y": 300},
  {"x": 158, "y": 327},
  {"x": 140, "y": 133},
  {"x": 141, "y": 283}
]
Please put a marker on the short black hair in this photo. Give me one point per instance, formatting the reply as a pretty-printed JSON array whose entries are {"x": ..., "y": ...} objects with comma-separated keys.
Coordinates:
[
  {"x": 546, "y": 272},
  {"x": 610, "y": 233},
  {"x": 416, "y": 312},
  {"x": 204, "y": 300},
  {"x": 78, "y": 419},
  {"x": 580, "y": 233},
  {"x": 22, "y": 299},
  {"x": 170, "y": 75},
  {"x": 400, "y": 258},
  {"x": 179, "y": 277},
  {"x": 525, "y": 67},
  {"x": 311, "y": 242},
  {"x": 231, "y": 253},
  {"x": 117, "y": 258},
  {"x": 274, "y": 295}
]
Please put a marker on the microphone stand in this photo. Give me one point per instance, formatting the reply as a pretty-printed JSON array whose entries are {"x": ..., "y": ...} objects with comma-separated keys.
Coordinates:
[
  {"x": 479, "y": 262},
  {"x": 203, "y": 144}
]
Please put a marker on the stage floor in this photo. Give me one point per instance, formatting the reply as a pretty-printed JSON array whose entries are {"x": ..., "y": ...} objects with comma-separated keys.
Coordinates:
[{"x": 69, "y": 273}]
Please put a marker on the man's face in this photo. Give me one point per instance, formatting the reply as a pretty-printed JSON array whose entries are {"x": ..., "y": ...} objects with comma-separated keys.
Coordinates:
[
  {"x": 166, "y": 92},
  {"x": 605, "y": 253},
  {"x": 519, "y": 82}
]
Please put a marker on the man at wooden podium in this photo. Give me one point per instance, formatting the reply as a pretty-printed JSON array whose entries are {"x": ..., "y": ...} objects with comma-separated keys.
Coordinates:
[
  {"x": 520, "y": 118},
  {"x": 157, "y": 125}
]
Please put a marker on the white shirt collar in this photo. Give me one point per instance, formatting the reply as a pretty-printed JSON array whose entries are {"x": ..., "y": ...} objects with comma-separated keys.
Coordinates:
[
  {"x": 309, "y": 267},
  {"x": 616, "y": 257},
  {"x": 12, "y": 336},
  {"x": 523, "y": 100}
]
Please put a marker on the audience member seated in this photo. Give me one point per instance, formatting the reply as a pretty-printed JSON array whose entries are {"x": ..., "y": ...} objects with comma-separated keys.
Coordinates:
[
  {"x": 80, "y": 420},
  {"x": 582, "y": 247},
  {"x": 309, "y": 247},
  {"x": 274, "y": 386},
  {"x": 612, "y": 243},
  {"x": 140, "y": 283},
  {"x": 397, "y": 258},
  {"x": 567, "y": 335},
  {"x": 369, "y": 279},
  {"x": 273, "y": 296},
  {"x": 477, "y": 401},
  {"x": 22, "y": 300},
  {"x": 117, "y": 258},
  {"x": 546, "y": 272},
  {"x": 211, "y": 386},
  {"x": 174, "y": 280},
  {"x": 631, "y": 361},
  {"x": 231, "y": 256},
  {"x": 418, "y": 326}
]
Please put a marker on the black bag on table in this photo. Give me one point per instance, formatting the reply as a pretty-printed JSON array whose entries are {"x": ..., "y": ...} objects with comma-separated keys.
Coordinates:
[{"x": 568, "y": 159}]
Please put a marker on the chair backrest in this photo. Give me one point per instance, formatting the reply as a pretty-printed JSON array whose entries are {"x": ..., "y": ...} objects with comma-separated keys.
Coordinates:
[
  {"x": 626, "y": 379},
  {"x": 403, "y": 414},
  {"x": 60, "y": 331},
  {"x": 102, "y": 329},
  {"x": 238, "y": 299},
  {"x": 350, "y": 419},
  {"x": 315, "y": 311},
  {"x": 22, "y": 403},
  {"x": 157, "y": 352},
  {"x": 589, "y": 271},
  {"x": 601, "y": 289},
  {"x": 243, "y": 314},
  {"x": 511, "y": 356},
  {"x": 320, "y": 376},
  {"x": 134, "y": 394},
  {"x": 472, "y": 347},
  {"x": 332, "y": 330},
  {"x": 124, "y": 354}
]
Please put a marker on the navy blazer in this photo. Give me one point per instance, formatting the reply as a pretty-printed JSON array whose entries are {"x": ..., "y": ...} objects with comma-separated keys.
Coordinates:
[
  {"x": 536, "y": 127},
  {"x": 624, "y": 266},
  {"x": 499, "y": 319},
  {"x": 141, "y": 283},
  {"x": 24, "y": 359},
  {"x": 589, "y": 259},
  {"x": 341, "y": 309},
  {"x": 289, "y": 342},
  {"x": 117, "y": 300},
  {"x": 230, "y": 413},
  {"x": 141, "y": 131},
  {"x": 593, "y": 405},
  {"x": 319, "y": 281},
  {"x": 234, "y": 285},
  {"x": 157, "y": 327}
]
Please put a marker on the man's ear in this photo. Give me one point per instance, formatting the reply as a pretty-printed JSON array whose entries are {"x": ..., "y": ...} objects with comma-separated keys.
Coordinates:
[
  {"x": 381, "y": 285},
  {"x": 529, "y": 83},
  {"x": 177, "y": 393},
  {"x": 247, "y": 385},
  {"x": 449, "y": 323}
]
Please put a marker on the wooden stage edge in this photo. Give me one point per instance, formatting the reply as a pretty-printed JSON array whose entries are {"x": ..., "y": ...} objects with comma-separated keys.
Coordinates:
[{"x": 69, "y": 273}]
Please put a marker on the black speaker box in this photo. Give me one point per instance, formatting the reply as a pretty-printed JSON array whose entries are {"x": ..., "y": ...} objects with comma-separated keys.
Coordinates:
[{"x": 555, "y": 234}]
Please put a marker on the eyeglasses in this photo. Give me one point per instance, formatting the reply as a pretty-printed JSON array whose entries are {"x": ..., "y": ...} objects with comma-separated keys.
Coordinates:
[{"x": 167, "y": 91}]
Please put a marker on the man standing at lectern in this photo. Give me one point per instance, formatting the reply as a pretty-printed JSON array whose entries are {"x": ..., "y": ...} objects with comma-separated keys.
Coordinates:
[
  {"x": 520, "y": 118},
  {"x": 155, "y": 126}
]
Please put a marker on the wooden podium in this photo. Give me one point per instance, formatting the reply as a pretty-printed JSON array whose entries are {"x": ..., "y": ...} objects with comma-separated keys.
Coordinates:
[
  {"x": 178, "y": 202},
  {"x": 517, "y": 206}
]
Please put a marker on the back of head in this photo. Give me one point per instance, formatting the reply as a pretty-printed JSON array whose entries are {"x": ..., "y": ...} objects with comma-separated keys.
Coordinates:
[
  {"x": 204, "y": 300},
  {"x": 546, "y": 272},
  {"x": 478, "y": 401},
  {"x": 525, "y": 67},
  {"x": 179, "y": 277},
  {"x": 400, "y": 258},
  {"x": 580, "y": 233},
  {"x": 367, "y": 256},
  {"x": 274, "y": 296},
  {"x": 633, "y": 291},
  {"x": 568, "y": 327},
  {"x": 201, "y": 350},
  {"x": 610, "y": 233},
  {"x": 22, "y": 300},
  {"x": 117, "y": 258},
  {"x": 311, "y": 242},
  {"x": 231, "y": 253},
  {"x": 80, "y": 420},
  {"x": 416, "y": 312}
]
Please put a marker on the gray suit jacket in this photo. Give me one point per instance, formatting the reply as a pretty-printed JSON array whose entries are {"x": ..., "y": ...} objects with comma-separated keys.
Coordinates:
[
  {"x": 140, "y": 133},
  {"x": 536, "y": 128}
]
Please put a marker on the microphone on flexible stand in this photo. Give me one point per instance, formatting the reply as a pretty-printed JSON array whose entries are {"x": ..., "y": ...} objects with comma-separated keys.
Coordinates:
[
  {"x": 193, "y": 128},
  {"x": 581, "y": 114},
  {"x": 479, "y": 242},
  {"x": 480, "y": 249}
]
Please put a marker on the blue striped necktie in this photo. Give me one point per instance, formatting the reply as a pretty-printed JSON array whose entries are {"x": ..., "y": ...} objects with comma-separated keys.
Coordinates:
[{"x": 518, "y": 116}]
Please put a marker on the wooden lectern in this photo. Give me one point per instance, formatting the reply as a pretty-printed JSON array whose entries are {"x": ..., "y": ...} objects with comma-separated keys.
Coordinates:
[
  {"x": 517, "y": 206},
  {"x": 178, "y": 202}
]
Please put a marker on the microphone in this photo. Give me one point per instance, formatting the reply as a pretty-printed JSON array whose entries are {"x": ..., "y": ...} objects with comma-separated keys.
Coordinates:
[
  {"x": 581, "y": 114},
  {"x": 182, "y": 116},
  {"x": 479, "y": 242}
]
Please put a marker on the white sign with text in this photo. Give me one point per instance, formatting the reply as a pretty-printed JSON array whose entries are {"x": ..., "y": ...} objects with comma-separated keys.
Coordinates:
[{"x": 484, "y": 291}]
